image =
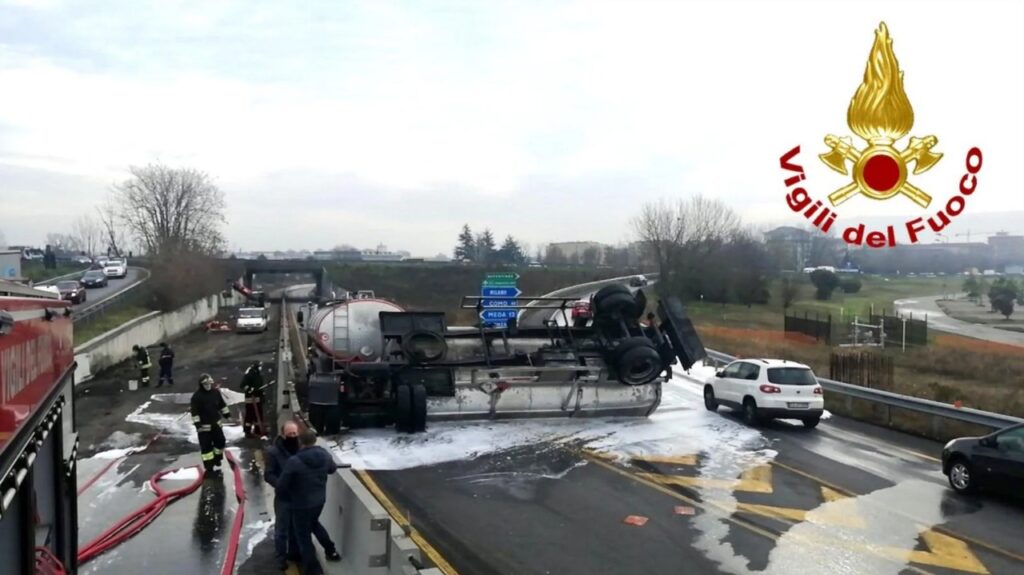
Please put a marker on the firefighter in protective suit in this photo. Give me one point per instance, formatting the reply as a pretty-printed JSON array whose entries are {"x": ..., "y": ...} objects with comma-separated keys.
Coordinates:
[
  {"x": 252, "y": 387},
  {"x": 142, "y": 362},
  {"x": 208, "y": 409}
]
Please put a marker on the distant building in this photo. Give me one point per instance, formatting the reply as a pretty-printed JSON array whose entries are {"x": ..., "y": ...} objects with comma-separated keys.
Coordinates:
[
  {"x": 1006, "y": 249},
  {"x": 10, "y": 265},
  {"x": 791, "y": 246},
  {"x": 381, "y": 254}
]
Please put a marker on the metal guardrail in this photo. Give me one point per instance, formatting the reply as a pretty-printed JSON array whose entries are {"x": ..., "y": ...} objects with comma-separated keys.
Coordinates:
[
  {"x": 62, "y": 278},
  {"x": 100, "y": 307},
  {"x": 925, "y": 406}
]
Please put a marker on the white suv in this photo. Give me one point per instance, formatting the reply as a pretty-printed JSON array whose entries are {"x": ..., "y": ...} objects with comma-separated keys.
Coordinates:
[
  {"x": 766, "y": 389},
  {"x": 115, "y": 268}
]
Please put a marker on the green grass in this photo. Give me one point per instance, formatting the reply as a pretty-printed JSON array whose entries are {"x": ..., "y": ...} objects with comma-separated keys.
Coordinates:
[
  {"x": 37, "y": 273},
  {"x": 875, "y": 291},
  {"x": 107, "y": 321}
]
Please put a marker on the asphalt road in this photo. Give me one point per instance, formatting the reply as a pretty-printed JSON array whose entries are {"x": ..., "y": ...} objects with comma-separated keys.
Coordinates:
[
  {"x": 97, "y": 295},
  {"x": 191, "y": 534},
  {"x": 846, "y": 497},
  {"x": 937, "y": 319}
]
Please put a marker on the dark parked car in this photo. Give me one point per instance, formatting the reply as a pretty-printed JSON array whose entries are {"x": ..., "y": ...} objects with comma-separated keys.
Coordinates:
[
  {"x": 94, "y": 278},
  {"x": 71, "y": 291},
  {"x": 993, "y": 461}
]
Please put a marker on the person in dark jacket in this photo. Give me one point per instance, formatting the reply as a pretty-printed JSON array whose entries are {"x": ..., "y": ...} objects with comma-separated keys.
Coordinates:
[
  {"x": 166, "y": 365},
  {"x": 285, "y": 544},
  {"x": 208, "y": 408},
  {"x": 142, "y": 362},
  {"x": 252, "y": 387},
  {"x": 304, "y": 483},
  {"x": 299, "y": 316}
]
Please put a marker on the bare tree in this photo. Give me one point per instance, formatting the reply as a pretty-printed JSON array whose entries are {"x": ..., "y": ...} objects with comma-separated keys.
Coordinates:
[
  {"x": 3, "y": 240},
  {"x": 670, "y": 231},
  {"x": 60, "y": 241},
  {"x": 87, "y": 233},
  {"x": 171, "y": 210},
  {"x": 112, "y": 231}
]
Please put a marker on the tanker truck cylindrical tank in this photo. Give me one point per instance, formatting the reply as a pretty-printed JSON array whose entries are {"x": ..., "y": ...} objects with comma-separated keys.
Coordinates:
[{"x": 350, "y": 330}]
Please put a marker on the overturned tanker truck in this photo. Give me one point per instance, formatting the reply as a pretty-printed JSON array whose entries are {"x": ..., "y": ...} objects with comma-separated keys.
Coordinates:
[{"x": 376, "y": 365}]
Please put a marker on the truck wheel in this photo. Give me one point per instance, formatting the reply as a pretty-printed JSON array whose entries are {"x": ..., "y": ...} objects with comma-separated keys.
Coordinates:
[
  {"x": 607, "y": 291},
  {"x": 637, "y": 361},
  {"x": 419, "y": 408},
  {"x": 403, "y": 409}
]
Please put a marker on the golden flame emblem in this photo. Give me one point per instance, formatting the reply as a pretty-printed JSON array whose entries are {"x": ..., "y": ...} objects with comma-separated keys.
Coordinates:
[{"x": 880, "y": 113}]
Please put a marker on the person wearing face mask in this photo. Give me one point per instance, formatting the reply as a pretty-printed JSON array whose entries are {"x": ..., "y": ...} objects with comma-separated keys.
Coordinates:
[
  {"x": 208, "y": 408},
  {"x": 286, "y": 545}
]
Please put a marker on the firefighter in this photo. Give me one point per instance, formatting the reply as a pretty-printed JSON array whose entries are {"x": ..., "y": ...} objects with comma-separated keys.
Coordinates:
[
  {"x": 252, "y": 387},
  {"x": 208, "y": 409},
  {"x": 142, "y": 362},
  {"x": 299, "y": 317},
  {"x": 166, "y": 365}
]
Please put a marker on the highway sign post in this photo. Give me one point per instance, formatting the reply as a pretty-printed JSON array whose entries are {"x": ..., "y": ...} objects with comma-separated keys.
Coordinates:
[{"x": 498, "y": 292}]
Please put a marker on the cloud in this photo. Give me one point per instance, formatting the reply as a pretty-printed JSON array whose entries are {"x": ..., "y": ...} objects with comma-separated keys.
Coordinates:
[{"x": 397, "y": 123}]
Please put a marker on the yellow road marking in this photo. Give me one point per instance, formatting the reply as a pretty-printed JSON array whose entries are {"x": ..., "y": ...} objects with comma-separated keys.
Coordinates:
[
  {"x": 942, "y": 530},
  {"x": 830, "y": 495},
  {"x": 435, "y": 556},
  {"x": 816, "y": 517},
  {"x": 947, "y": 552},
  {"x": 757, "y": 479},
  {"x": 726, "y": 513},
  {"x": 690, "y": 460}
]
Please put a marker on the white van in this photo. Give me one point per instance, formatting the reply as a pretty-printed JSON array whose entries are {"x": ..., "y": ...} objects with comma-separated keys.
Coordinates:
[{"x": 251, "y": 320}]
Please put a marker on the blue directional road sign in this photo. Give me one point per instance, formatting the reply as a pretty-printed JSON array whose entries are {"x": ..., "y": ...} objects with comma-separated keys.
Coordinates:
[
  {"x": 488, "y": 303},
  {"x": 496, "y": 316},
  {"x": 500, "y": 292}
]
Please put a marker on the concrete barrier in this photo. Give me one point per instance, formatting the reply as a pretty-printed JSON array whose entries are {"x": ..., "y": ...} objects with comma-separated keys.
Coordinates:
[{"x": 115, "y": 345}]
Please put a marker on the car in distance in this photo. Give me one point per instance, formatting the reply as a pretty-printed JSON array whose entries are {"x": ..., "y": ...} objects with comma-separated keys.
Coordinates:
[
  {"x": 764, "y": 389},
  {"x": 94, "y": 278},
  {"x": 71, "y": 291},
  {"x": 251, "y": 320},
  {"x": 994, "y": 461},
  {"x": 638, "y": 281},
  {"x": 581, "y": 313},
  {"x": 116, "y": 268}
]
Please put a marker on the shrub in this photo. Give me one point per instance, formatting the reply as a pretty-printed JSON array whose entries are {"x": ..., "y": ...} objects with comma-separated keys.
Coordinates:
[{"x": 850, "y": 285}]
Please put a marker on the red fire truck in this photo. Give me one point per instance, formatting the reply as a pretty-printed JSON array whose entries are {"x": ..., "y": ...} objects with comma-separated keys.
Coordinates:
[{"x": 38, "y": 513}]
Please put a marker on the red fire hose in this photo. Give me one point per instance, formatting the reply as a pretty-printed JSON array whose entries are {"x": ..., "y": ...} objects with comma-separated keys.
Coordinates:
[
  {"x": 236, "y": 528},
  {"x": 107, "y": 467},
  {"x": 134, "y": 522}
]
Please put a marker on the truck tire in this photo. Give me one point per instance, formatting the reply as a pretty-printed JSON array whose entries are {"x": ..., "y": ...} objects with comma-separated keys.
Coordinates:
[
  {"x": 419, "y": 408},
  {"x": 403, "y": 409},
  {"x": 607, "y": 291},
  {"x": 616, "y": 305},
  {"x": 637, "y": 361}
]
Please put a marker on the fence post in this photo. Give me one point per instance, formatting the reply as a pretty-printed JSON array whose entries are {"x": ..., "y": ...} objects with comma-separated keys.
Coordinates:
[{"x": 904, "y": 335}]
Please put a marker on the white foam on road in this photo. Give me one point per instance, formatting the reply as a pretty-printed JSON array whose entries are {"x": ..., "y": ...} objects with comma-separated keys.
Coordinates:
[
  {"x": 178, "y": 424},
  {"x": 231, "y": 397},
  {"x": 681, "y": 427},
  {"x": 116, "y": 453},
  {"x": 182, "y": 474},
  {"x": 256, "y": 532}
]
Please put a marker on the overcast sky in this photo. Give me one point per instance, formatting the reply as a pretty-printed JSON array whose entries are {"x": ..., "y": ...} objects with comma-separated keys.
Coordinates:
[{"x": 366, "y": 122}]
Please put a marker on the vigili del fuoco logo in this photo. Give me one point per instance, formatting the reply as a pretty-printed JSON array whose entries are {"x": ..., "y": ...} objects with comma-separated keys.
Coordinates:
[{"x": 880, "y": 114}]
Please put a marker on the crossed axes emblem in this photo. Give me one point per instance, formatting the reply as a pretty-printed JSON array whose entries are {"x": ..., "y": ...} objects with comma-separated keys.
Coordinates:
[{"x": 880, "y": 170}]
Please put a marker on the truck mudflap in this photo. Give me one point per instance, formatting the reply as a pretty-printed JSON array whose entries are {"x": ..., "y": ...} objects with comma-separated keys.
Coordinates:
[{"x": 533, "y": 392}]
